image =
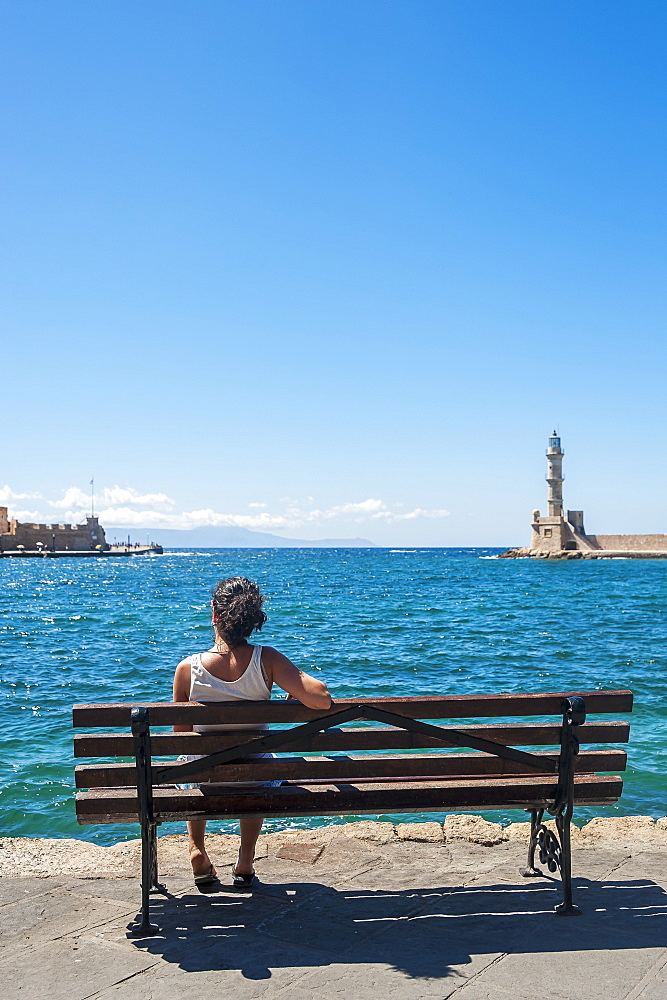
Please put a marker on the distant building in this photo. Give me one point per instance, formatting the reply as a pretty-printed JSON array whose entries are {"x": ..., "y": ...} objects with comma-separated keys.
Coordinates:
[
  {"x": 559, "y": 534},
  {"x": 54, "y": 537}
]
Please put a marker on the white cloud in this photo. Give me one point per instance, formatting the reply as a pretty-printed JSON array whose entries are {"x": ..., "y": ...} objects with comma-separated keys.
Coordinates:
[
  {"x": 8, "y": 495},
  {"x": 125, "y": 507},
  {"x": 29, "y": 516},
  {"x": 118, "y": 494},
  {"x": 74, "y": 497},
  {"x": 125, "y": 517},
  {"x": 364, "y": 510},
  {"x": 417, "y": 513}
]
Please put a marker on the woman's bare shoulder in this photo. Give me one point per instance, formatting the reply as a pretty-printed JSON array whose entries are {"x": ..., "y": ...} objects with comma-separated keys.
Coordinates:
[
  {"x": 271, "y": 654},
  {"x": 181, "y": 689},
  {"x": 182, "y": 672},
  {"x": 272, "y": 663}
]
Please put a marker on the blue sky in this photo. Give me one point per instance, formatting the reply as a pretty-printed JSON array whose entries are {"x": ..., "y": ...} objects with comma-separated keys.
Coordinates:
[{"x": 334, "y": 268}]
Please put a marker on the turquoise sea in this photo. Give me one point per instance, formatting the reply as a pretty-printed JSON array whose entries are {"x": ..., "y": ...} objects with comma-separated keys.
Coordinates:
[{"x": 370, "y": 621}]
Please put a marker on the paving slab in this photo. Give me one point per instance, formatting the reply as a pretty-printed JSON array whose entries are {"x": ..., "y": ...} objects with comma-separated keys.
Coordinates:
[
  {"x": 342, "y": 917},
  {"x": 643, "y": 864},
  {"x": 244, "y": 967},
  {"x": 571, "y": 973},
  {"x": 378, "y": 981},
  {"x": 419, "y": 956},
  {"x": 332, "y": 920},
  {"x": 409, "y": 866},
  {"x": 48, "y": 916},
  {"x": 654, "y": 984},
  {"x": 206, "y": 918},
  {"x": 14, "y": 889},
  {"x": 127, "y": 890},
  {"x": 477, "y": 990},
  {"x": 70, "y": 968}
]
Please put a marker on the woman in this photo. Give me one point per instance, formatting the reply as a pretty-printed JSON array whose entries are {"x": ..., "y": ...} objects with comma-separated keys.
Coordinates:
[{"x": 234, "y": 670}]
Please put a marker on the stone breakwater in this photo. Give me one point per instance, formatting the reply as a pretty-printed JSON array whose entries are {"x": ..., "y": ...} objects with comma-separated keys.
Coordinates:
[
  {"x": 41, "y": 857},
  {"x": 584, "y": 554}
]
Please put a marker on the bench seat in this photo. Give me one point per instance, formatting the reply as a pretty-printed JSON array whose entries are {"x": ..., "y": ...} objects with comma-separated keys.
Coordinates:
[{"x": 368, "y": 797}]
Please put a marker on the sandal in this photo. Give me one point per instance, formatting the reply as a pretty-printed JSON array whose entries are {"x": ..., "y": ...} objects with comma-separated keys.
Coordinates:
[
  {"x": 242, "y": 881},
  {"x": 208, "y": 878}
]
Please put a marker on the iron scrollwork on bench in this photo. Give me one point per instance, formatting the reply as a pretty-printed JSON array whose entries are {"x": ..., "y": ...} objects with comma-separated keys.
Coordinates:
[
  {"x": 545, "y": 844},
  {"x": 555, "y": 851}
]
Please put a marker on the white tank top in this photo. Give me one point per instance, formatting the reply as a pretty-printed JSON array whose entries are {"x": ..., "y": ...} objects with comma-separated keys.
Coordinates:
[{"x": 250, "y": 686}]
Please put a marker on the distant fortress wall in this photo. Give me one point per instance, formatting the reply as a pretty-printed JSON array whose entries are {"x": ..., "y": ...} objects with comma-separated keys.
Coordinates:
[
  {"x": 77, "y": 538},
  {"x": 630, "y": 543}
]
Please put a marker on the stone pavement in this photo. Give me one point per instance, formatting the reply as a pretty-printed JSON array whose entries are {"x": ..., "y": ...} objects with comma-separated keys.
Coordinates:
[{"x": 364, "y": 920}]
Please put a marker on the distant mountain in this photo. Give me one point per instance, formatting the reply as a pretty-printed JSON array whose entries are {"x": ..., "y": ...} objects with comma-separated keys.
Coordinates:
[{"x": 242, "y": 538}]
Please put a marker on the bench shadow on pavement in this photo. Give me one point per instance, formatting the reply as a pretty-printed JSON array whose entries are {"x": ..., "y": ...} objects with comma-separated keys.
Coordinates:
[{"x": 427, "y": 932}]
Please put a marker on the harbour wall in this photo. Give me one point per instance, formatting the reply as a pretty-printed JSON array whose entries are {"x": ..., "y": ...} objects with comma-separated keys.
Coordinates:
[{"x": 630, "y": 543}]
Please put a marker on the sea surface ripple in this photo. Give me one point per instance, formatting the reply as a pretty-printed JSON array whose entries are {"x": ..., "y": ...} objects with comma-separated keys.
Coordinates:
[{"x": 368, "y": 621}]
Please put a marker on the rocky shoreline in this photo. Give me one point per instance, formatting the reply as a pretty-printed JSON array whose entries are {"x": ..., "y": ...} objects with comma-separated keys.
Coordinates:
[{"x": 43, "y": 857}]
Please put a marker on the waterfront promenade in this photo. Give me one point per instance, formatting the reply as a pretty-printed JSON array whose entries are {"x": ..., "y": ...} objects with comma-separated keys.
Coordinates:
[
  {"x": 113, "y": 550},
  {"x": 364, "y": 911}
]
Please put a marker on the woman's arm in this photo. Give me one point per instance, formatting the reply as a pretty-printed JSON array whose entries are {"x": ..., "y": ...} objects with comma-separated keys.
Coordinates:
[
  {"x": 182, "y": 689},
  {"x": 310, "y": 691}
]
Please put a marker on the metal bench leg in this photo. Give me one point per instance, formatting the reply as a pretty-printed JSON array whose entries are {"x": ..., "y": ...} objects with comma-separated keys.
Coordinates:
[
  {"x": 156, "y": 885},
  {"x": 574, "y": 713},
  {"x": 142, "y": 746},
  {"x": 530, "y": 871},
  {"x": 154, "y": 882},
  {"x": 567, "y": 907}
]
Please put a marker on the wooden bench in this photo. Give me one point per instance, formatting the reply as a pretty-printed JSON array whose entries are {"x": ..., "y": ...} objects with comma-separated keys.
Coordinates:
[{"x": 358, "y": 769}]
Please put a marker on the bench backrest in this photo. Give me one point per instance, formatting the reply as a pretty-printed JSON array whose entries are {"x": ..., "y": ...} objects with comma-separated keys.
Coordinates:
[{"x": 329, "y": 732}]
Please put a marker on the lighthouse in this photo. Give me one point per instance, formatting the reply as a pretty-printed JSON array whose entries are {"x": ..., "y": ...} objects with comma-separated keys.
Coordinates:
[
  {"x": 555, "y": 476},
  {"x": 554, "y": 531}
]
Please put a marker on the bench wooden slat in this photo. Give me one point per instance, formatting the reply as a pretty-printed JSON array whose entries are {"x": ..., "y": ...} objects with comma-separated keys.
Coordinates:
[
  {"x": 398, "y": 765},
  {"x": 106, "y": 805},
  {"x": 331, "y": 740},
  {"x": 446, "y": 707}
]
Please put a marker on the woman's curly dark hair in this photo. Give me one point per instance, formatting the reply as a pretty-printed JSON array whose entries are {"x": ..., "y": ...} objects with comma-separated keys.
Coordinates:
[{"x": 237, "y": 609}]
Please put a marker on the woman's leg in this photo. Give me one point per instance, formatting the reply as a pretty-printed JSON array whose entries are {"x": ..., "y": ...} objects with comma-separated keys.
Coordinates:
[
  {"x": 199, "y": 859},
  {"x": 250, "y": 830}
]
